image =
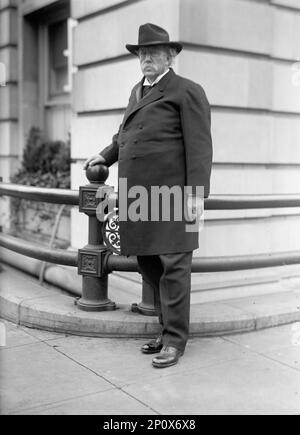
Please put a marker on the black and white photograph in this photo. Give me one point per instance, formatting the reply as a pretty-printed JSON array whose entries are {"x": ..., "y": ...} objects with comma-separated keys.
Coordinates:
[{"x": 149, "y": 210}]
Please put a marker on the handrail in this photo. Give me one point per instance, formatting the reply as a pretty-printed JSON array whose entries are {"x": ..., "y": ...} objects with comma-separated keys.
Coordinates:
[
  {"x": 123, "y": 264},
  {"x": 42, "y": 194},
  {"x": 233, "y": 202},
  {"x": 247, "y": 201},
  {"x": 95, "y": 261},
  {"x": 33, "y": 250},
  {"x": 216, "y": 264},
  {"x": 214, "y": 202}
]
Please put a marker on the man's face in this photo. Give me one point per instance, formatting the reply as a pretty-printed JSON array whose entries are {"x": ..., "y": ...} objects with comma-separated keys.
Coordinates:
[{"x": 154, "y": 61}]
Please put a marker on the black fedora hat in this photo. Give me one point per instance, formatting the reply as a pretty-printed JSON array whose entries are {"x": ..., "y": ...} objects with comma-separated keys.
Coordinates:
[{"x": 150, "y": 34}]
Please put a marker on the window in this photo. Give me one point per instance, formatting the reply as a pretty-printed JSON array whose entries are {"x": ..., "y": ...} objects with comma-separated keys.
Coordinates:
[
  {"x": 57, "y": 66},
  {"x": 58, "y": 61},
  {"x": 47, "y": 68}
]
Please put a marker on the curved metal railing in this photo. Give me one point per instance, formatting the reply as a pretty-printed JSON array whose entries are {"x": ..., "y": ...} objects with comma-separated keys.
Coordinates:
[
  {"x": 98, "y": 259},
  {"x": 214, "y": 202},
  {"x": 33, "y": 250},
  {"x": 40, "y": 194}
]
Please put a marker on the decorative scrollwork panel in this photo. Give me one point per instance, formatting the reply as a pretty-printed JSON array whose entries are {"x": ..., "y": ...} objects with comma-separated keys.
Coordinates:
[{"x": 111, "y": 236}]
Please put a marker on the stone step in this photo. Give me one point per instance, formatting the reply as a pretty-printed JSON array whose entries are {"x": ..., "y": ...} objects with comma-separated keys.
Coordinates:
[{"x": 25, "y": 302}]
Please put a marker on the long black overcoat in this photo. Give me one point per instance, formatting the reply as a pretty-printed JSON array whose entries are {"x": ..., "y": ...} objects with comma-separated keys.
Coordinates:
[{"x": 164, "y": 140}]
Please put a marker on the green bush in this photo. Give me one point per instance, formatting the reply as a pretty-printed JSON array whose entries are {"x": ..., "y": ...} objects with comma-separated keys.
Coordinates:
[{"x": 44, "y": 164}]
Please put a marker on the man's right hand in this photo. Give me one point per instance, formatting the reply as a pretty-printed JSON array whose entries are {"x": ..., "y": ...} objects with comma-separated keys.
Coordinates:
[{"x": 93, "y": 161}]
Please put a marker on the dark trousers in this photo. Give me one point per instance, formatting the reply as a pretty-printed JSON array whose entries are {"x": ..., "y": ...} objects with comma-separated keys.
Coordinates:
[{"x": 170, "y": 277}]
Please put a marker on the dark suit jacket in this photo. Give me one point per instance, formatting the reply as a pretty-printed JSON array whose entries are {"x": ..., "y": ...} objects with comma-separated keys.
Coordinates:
[{"x": 164, "y": 140}]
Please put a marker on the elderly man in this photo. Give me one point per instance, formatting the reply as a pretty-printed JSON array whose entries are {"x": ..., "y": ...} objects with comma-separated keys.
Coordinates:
[{"x": 164, "y": 140}]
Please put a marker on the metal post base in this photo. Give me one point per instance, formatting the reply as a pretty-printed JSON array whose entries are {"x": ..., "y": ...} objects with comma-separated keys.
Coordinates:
[
  {"x": 86, "y": 305},
  {"x": 144, "y": 309}
]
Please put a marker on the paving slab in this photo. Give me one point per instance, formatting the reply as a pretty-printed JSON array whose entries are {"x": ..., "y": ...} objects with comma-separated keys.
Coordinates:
[
  {"x": 272, "y": 339},
  {"x": 289, "y": 356},
  {"x": 37, "y": 374},
  {"x": 102, "y": 376},
  {"x": 17, "y": 335},
  {"x": 121, "y": 361},
  {"x": 43, "y": 335},
  {"x": 247, "y": 385},
  {"x": 112, "y": 402},
  {"x": 14, "y": 336}
]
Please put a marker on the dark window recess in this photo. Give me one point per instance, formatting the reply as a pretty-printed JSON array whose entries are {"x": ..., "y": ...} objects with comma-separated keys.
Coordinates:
[{"x": 58, "y": 62}]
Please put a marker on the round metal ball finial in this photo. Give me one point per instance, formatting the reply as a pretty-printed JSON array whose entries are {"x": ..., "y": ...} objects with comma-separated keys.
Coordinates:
[{"x": 97, "y": 174}]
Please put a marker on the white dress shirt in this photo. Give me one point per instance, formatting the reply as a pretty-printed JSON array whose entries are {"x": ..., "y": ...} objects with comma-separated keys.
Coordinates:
[{"x": 147, "y": 83}]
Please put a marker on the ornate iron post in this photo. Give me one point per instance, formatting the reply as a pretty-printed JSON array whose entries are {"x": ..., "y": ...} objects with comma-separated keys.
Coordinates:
[{"x": 91, "y": 258}]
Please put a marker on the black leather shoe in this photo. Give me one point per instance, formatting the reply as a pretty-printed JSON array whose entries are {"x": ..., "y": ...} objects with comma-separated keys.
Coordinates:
[
  {"x": 153, "y": 346},
  {"x": 168, "y": 356}
]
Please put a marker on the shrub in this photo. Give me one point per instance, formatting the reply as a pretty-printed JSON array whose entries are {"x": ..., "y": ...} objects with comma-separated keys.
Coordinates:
[{"x": 44, "y": 164}]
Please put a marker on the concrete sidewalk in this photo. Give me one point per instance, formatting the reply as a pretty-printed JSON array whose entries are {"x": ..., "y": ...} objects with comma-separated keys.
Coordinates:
[
  {"x": 50, "y": 373},
  {"x": 42, "y": 372}
]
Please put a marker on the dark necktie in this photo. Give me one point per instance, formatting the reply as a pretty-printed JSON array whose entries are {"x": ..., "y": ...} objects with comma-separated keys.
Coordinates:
[{"x": 146, "y": 90}]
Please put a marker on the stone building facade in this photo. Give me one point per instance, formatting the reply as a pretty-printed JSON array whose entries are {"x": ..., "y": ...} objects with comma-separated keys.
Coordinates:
[{"x": 68, "y": 72}]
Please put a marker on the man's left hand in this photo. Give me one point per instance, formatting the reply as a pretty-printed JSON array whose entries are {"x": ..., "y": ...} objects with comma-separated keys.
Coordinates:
[{"x": 195, "y": 208}]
